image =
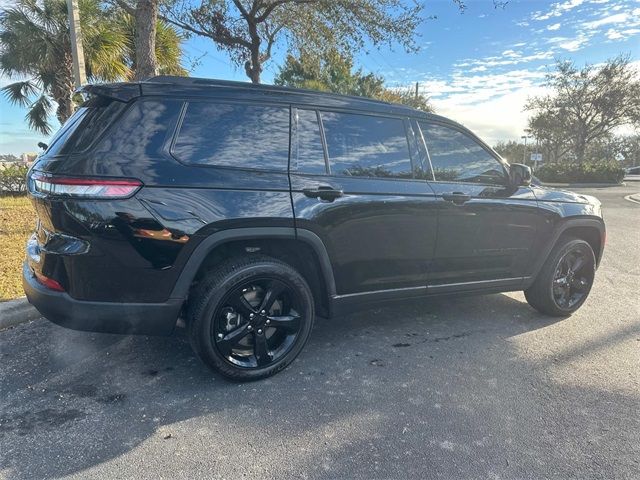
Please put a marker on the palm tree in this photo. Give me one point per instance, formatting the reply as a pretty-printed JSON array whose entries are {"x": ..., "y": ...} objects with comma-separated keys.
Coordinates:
[{"x": 35, "y": 47}]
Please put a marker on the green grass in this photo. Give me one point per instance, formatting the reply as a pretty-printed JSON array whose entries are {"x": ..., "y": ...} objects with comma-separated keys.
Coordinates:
[{"x": 17, "y": 221}]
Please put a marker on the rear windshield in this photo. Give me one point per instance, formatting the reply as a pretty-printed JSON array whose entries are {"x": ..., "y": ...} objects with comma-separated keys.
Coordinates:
[{"x": 85, "y": 126}]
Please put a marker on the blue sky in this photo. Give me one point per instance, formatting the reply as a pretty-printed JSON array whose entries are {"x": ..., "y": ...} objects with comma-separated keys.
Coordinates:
[{"x": 478, "y": 67}]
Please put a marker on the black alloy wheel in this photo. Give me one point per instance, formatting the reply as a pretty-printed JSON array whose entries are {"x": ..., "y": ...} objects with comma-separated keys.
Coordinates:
[
  {"x": 250, "y": 317},
  {"x": 257, "y": 323},
  {"x": 573, "y": 277},
  {"x": 564, "y": 282}
]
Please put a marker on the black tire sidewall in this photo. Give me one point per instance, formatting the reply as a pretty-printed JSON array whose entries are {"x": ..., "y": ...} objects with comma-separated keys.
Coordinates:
[
  {"x": 202, "y": 319},
  {"x": 566, "y": 249},
  {"x": 540, "y": 295}
]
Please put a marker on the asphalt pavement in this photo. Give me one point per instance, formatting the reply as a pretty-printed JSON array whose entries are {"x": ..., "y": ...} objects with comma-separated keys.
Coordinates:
[{"x": 476, "y": 387}]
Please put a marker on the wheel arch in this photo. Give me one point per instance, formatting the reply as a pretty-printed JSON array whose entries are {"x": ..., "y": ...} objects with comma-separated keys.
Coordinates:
[
  {"x": 302, "y": 249},
  {"x": 591, "y": 230}
]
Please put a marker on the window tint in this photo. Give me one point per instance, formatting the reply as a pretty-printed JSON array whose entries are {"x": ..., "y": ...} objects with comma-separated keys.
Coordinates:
[
  {"x": 236, "y": 135},
  {"x": 308, "y": 151},
  {"x": 143, "y": 130},
  {"x": 367, "y": 146},
  {"x": 457, "y": 157},
  {"x": 86, "y": 125}
]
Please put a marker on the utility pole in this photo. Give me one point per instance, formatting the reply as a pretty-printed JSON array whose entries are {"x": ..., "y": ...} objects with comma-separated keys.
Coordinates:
[
  {"x": 79, "y": 71},
  {"x": 524, "y": 154},
  {"x": 417, "y": 91}
]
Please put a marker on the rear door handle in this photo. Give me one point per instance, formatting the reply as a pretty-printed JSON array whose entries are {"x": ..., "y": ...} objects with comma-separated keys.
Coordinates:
[
  {"x": 458, "y": 198},
  {"x": 323, "y": 193}
]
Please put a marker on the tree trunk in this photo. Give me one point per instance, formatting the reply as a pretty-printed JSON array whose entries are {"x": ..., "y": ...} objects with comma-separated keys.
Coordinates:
[
  {"x": 62, "y": 91},
  {"x": 253, "y": 66},
  {"x": 146, "y": 18}
]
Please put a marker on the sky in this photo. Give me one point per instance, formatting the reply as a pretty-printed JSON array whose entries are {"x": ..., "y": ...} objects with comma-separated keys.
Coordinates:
[{"x": 478, "y": 67}]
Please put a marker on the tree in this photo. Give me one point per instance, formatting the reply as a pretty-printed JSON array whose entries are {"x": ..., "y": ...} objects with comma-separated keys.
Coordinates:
[
  {"x": 34, "y": 39},
  {"x": 512, "y": 151},
  {"x": 248, "y": 29},
  {"x": 334, "y": 72},
  {"x": 145, "y": 15},
  {"x": 587, "y": 105}
]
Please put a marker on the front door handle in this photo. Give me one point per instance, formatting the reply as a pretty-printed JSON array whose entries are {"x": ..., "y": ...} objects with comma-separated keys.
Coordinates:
[
  {"x": 458, "y": 198},
  {"x": 323, "y": 193}
]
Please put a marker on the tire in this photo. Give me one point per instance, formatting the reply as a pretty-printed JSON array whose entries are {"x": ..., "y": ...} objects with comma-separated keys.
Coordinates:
[
  {"x": 232, "y": 334},
  {"x": 555, "y": 291}
]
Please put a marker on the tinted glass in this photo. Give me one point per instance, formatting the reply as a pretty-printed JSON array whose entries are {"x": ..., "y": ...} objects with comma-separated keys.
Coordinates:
[
  {"x": 143, "y": 130},
  {"x": 309, "y": 155},
  {"x": 86, "y": 125},
  {"x": 235, "y": 135},
  {"x": 457, "y": 157},
  {"x": 368, "y": 146}
]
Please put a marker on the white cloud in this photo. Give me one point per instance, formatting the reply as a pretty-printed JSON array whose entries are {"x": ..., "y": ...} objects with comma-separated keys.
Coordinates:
[
  {"x": 573, "y": 44},
  {"x": 613, "y": 34},
  {"x": 557, "y": 10},
  {"x": 490, "y": 104},
  {"x": 508, "y": 57},
  {"x": 555, "y": 26},
  {"x": 617, "y": 18}
]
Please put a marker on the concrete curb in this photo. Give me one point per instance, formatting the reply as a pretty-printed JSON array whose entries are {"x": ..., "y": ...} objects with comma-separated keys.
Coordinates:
[
  {"x": 15, "y": 312},
  {"x": 582, "y": 185},
  {"x": 635, "y": 198}
]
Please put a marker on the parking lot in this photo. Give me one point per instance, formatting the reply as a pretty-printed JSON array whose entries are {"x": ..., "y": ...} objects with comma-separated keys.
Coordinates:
[{"x": 475, "y": 387}]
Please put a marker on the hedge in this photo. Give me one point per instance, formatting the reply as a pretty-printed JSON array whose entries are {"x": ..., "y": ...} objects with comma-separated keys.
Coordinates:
[
  {"x": 602, "y": 172},
  {"x": 13, "y": 180}
]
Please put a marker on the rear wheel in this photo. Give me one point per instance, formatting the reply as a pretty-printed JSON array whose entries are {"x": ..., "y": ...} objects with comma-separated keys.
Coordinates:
[
  {"x": 564, "y": 282},
  {"x": 250, "y": 317}
]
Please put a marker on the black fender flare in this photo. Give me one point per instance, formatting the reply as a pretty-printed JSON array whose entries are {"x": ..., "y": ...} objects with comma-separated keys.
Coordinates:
[
  {"x": 565, "y": 225},
  {"x": 183, "y": 284}
]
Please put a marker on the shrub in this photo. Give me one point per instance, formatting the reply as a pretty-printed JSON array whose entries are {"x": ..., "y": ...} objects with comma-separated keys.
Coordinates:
[
  {"x": 600, "y": 172},
  {"x": 13, "y": 179}
]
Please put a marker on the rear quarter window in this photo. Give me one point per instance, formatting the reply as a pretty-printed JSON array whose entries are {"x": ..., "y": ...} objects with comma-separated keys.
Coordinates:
[
  {"x": 85, "y": 126},
  {"x": 234, "y": 135}
]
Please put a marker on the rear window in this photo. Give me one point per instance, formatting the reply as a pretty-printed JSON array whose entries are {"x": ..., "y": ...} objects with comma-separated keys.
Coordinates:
[
  {"x": 366, "y": 146},
  {"x": 234, "y": 135},
  {"x": 85, "y": 126}
]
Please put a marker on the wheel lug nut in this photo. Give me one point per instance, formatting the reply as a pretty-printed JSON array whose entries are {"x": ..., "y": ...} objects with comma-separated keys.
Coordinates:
[
  {"x": 220, "y": 335},
  {"x": 251, "y": 315},
  {"x": 259, "y": 331},
  {"x": 249, "y": 327},
  {"x": 263, "y": 312},
  {"x": 268, "y": 322}
]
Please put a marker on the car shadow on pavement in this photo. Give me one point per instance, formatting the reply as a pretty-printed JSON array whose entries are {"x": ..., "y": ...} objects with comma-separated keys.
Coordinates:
[{"x": 369, "y": 391}]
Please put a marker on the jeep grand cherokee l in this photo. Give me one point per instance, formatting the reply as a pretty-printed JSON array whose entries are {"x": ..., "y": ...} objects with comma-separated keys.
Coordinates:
[{"x": 250, "y": 209}]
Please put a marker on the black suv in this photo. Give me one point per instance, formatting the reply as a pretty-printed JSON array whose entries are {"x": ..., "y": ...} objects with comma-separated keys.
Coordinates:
[{"x": 252, "y": 209}]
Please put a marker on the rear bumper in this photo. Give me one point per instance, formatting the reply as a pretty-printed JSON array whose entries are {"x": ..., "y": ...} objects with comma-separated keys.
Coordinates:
[{"x": 105, "y": 317}]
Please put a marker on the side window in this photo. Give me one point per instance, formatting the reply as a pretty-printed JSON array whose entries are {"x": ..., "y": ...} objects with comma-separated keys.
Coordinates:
[
  {"x": 457, "y": 157},
  {"x": 366, "y": 146},
  {"x": 234, "y": 135},
  {"x": 308, "y": 154}
]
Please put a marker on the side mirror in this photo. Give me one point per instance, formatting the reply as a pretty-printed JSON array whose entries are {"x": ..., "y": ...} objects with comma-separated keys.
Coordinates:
[
  {"x": 43, "y": 145},
  {"x": 520, "y": 175}
]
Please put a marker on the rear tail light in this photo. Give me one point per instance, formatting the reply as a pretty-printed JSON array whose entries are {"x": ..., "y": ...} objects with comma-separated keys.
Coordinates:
[
  {"x": 50, "y": 283},
  {"x": 83, "y": 187}
]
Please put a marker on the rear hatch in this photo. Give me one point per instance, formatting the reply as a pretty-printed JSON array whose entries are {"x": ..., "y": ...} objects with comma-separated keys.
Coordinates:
[{"x": 58, "y": 185}]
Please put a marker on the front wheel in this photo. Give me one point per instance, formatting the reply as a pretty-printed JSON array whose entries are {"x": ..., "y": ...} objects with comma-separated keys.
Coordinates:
[
  {"x": 564, "y": 282},
  {"x": 250, "y": 317}
]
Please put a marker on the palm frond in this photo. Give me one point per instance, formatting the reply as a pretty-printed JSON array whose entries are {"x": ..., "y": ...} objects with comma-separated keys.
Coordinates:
[
  {"x": 38, "y": 114},
  {"x": 19, "y": 93}
]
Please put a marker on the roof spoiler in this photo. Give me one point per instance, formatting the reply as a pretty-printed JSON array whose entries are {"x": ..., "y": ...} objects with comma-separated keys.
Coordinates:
[{"x": 122, "y": 92}]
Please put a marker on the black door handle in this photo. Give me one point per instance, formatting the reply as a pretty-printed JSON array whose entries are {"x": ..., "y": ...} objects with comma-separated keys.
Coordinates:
[
  {"x": 457, "y": 198},
  {"x": 323, "y": 193}
]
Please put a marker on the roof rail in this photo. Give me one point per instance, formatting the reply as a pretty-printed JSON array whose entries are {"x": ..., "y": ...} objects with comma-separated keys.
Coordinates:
[{"x": 204, "y": 82}]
